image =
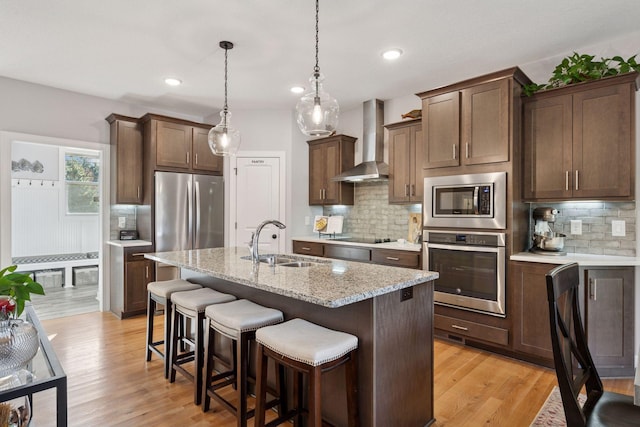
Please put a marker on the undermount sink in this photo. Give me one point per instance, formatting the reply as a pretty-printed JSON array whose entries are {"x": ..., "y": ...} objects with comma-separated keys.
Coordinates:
[
  {"x": 299, "y": 264},
  {"x": 284, "y": 260}
]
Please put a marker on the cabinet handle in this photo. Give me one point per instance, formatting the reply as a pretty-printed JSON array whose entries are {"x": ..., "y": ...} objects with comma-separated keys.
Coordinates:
[
  {"x": 593, "y": 287},
  {"x": 393, "y": 258},
  {"x": 324, "y": 194},
  {"x": 138, "y": 193},
  {"x": 406, "y": 190},
  {"x": 413, "y": 190},
  {"x": 462, "y": 328},
  {"x": 577, "y": 180},
  {"x": 146, "y": 267},
  {"x": 454, "y": 151},
  {"x": 188, "y": 158},
  {"x": 138, "y": 254},
  {"x": 304, "y": 248},
  {"x": 195, "y": 157},
  {"x": 466, "y": 149},
  {"x": 566, "y": 180}
]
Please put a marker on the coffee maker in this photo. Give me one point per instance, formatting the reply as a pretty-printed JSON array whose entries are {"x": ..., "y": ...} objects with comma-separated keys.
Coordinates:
[{"x": 545, "y": 240}]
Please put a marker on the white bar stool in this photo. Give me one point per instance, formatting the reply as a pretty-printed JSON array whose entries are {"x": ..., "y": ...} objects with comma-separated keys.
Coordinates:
[
  {"x": 160, "y": 293},
  {"x": 311, "y": 349},
  {"x": 237, "y": 320},
  {"x": 191, "y": 305}
]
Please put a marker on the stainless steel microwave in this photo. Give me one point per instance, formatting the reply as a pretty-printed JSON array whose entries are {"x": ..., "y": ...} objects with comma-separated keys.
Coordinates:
[{"x": 466, "y": 201}]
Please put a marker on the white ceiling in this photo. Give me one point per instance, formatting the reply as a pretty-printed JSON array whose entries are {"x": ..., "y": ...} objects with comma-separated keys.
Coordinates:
[{"x": 123, "y": 49}]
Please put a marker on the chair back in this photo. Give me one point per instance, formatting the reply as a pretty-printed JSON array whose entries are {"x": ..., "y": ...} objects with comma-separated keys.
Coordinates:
[{"x": 572, "y": 359}]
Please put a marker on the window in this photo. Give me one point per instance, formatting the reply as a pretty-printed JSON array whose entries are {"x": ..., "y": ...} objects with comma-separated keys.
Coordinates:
[{"x": 81, "y": 182}]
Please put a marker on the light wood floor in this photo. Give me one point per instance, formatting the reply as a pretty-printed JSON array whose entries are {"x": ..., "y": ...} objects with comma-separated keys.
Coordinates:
[
  {"x": 110, "y": 384},
  {"x": 62, "y": 302}
]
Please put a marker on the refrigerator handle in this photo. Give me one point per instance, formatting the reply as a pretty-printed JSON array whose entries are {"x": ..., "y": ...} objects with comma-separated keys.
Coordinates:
[
  {"x": 189, "y": 214},
  {"x": 197, "y": 216}
]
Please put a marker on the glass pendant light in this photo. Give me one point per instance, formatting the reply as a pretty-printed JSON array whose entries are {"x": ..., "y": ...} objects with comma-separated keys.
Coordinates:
[
  {"x": 317, "y": 111},
  {"x": 223, "y": 139}
]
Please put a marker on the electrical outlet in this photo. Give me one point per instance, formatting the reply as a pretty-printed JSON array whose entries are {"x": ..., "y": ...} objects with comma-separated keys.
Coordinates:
[
  {"x": 122, "y": 222},
  {"x": 576, "y": 226},
  {"x": 407, "y": 293},
  {"x": 618, "y": 228}
]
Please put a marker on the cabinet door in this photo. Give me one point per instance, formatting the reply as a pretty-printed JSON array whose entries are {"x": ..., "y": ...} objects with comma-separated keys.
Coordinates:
[
  {"x": 173, "y": 145},
  {"x": 129, "y": 163},
  {"x": 530, "y": 309},
  {"x": 485, "y": 123},
  {"x": 316, "y": 174},
  {"x": 332, "y": 168},
  {"x": 610, "y": 320},
  {"x": 203, "y": 158},
  {"x": 548, "y": 148},
  {"x": 400, "y": 160},
  {"x": 602, "y": 153},
  {"x": 417, "y": 177},
  {"x": 137, "y": 275},
  {"x": 441, "y": 130}
]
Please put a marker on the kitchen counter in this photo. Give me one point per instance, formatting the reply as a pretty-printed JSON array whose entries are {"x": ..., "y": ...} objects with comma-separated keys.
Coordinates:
[
  {"x": 329, "y": 282},
  {"x": 128, "y": 243},
  {"x": 389, "y": 309},
  {"x": 415, "y": 247},
  {"x": 581, "y": 259}
]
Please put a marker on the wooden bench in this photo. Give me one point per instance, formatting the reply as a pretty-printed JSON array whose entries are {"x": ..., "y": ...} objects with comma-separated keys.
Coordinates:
[{"x": 64, "y": 262}]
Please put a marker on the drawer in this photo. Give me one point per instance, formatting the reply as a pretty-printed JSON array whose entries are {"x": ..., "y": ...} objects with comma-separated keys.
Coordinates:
[
  {"x": 136, "y": 253},
  {"x": 471, "y": 329},
  {"x": 396, "y": 258},
  {"x": 308, "y": 248},
  {"x": 349, "y": 253}
]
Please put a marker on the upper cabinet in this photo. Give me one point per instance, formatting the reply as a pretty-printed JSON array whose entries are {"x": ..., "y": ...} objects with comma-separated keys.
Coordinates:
[
  {"x": 179, "y": 146},
  {"x": 579, "y": 141},
  {"x": 405, "y": 162},
  {"x": 470, "y": 123},
  {"x": 126, "y": 160},
  {"x": 329, "y": 157}
]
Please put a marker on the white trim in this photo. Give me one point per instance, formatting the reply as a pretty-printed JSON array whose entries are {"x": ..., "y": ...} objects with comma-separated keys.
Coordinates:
[
  {"x": 6, "y": 138},
  {"x": 230, "y": 171}
]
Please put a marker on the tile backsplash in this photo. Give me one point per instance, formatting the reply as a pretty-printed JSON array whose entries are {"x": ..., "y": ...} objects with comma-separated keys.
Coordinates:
[
  {"x": 596, "y": 217},
  {"x": 371, "y": 215},
  {"x": 119, "y": 211}
]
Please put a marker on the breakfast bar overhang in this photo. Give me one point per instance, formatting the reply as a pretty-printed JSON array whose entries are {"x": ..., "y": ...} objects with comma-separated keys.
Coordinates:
[{"x": 389, "y": 309}]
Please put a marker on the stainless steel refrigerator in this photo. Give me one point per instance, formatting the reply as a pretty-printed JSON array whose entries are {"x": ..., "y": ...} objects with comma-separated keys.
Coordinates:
[{"x": 189, "y": 211}]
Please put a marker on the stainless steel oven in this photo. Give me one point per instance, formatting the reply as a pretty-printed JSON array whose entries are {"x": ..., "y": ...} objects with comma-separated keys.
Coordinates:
[
  {"x": 466, "y": 201},
  {"x": 471, "y": 267}
]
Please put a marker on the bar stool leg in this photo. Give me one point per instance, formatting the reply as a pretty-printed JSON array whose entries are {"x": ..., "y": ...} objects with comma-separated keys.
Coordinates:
[
  {"x": 199, "y": 359},
  {"x": 209, "y": 339},
  {"x": 315, "y": 399},
  {"x": 242, "y": 347},
  {"x": 151, "y": 307},
  {"x": 261, "y": 386},
  {"x": 174, "y": 334},
  {"x": 351, "y": 370}
]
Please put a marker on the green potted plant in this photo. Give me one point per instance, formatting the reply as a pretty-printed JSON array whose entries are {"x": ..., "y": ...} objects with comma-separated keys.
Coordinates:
[
  {"x": 580, "y": 68},
  {"x": 15, "y": 290}
]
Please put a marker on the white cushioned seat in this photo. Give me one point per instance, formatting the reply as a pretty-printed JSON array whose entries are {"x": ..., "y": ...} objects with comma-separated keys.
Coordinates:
[
  {"x": 198, "y": 299},
  {"x": 233, "y": 318},
  {"x": 165, "y": 288},
  {"x": 306, "y": 342}
]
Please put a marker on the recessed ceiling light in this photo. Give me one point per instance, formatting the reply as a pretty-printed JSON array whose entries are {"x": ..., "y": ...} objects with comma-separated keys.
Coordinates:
[
  {"x": 392, "y": 54},
  {"x": 297, "y": 89},
  {"x": 172, "y": 81}
]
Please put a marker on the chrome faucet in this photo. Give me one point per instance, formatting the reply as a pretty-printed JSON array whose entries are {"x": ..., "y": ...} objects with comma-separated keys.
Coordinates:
[{"x": 255, "y": 236}]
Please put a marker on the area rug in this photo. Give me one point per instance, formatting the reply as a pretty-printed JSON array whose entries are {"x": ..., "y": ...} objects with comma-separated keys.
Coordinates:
[{"x": 552, "y": 414}]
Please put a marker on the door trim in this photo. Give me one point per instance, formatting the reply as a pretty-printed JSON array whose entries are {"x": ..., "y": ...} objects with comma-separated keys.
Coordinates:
[{"x": 230, "y": 237}]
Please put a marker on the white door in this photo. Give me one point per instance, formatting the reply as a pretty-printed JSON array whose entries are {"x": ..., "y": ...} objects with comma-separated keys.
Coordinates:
[{"x": 259, "y": 195}]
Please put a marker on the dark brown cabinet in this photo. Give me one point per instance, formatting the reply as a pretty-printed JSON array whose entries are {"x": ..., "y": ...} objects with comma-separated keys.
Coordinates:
[
  {"x": 329, "y": 157},
  {"x": 469, "y": 125},
  {"x": 130, "y": 272},
  {"x": 176, "y": 145},
  {"x": 607, "y": 305},
  {"x": 126, "y": 160},
  {"x": 610, "y": 319},
  {"x": 406, "y": 182},
  {"x": 396, "y": 258},
  {"x": 579, "y": 141},
  {"x": 393, "y": 257}
]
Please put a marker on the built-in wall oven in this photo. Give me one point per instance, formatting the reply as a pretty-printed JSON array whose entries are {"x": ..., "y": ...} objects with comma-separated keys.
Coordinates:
[{"x": 471, "y": 267}]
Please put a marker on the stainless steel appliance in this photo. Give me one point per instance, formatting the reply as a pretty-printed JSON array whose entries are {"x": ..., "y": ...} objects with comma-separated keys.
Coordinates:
[
  {"x": 466, "y": 201},
  {"x": 189, "y": 211},
  {"x": 471, "y": 267},
  {"x": 545, "y": 240}
]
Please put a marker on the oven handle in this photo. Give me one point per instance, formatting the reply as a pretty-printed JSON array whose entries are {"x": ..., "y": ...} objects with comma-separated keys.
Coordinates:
[{"x": 468, "y": 248}]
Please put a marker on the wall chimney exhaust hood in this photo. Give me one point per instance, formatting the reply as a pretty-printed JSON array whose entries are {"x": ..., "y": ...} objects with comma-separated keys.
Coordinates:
[{"x": 372, "y": 167}]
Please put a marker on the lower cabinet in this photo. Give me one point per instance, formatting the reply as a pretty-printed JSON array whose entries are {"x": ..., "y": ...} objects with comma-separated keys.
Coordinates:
[
  {"x": 393, "y": 257},
  {"x": 130, "y": 274},
  {"x": 607, "y": 305}
]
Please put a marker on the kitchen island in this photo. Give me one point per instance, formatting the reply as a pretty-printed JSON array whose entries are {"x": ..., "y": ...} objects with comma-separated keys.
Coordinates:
[{"x": 389, "y": 309}]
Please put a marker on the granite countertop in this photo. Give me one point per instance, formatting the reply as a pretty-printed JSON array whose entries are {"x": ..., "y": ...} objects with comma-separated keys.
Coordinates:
[
  {"x": 581, "y": 259},
  {"x": 128, "y": 243},
  {"x": 405, "y": 246},
  {"x": 329, "y": 283}
]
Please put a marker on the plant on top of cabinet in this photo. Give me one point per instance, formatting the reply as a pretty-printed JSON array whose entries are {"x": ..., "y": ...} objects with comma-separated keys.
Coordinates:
[
  {"x": 579, "y": 68},
  {"x": 579, "y": 141},
  {"x": 329, "y": 157}
]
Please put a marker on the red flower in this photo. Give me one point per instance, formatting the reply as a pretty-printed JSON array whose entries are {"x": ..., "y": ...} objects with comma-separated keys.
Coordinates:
[{"x": 7, "y": 307}]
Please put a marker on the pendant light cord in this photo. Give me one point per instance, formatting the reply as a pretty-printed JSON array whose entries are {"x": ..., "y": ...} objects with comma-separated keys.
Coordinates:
[
  {"x": 226, "y": 107},
  {"x": 316, "y": 69}
]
